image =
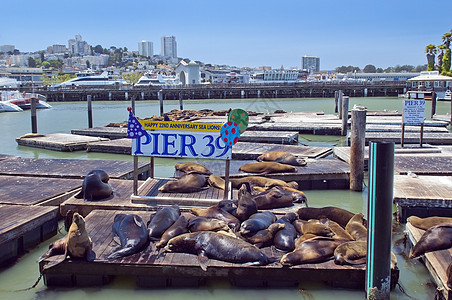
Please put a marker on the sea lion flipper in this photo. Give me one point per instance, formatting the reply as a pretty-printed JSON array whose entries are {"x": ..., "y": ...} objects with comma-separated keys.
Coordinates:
[
  {"x": 203, "y": 260},
  {"x": 55, "y": 260},
  {"x": 91, "y": 256},
  {"x": 137, "y": 222},
  {"x": 79, "y": 195}
]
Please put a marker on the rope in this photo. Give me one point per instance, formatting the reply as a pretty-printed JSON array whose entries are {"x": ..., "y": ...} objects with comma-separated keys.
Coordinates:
[
  {"x": 26, "y": 289},
  {"x": 403, "y": 290}
]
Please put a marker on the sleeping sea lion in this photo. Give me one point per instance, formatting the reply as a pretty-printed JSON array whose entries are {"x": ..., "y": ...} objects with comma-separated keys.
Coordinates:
[
  {"x": 206, "y": 224},
  {"x": 282, "y": 157},
  {"x": 216, "y": 212},
  {"x": 273, "y": 198},
  {"x": 264, "y": 237},
  {"x": 304, "y": 237},
  {"x": 161, "y": 220},
  {"x": 229, "y": 206},
  {"x": 449, "y": 276},
  {"x": 315, "y": 250},
  {"x": 261, "y": 182},
  {"x": 356, "y": 228},
  {"x": 208, "y": 244},
  {"x": 285, "y": 238},
  {"x": 351, "y": 253},
  {"x": 339, "y": 215},
  {"x": 435, "y": 238},
  {"x": 314, "y": 226},
  {"x": 338, "y": 231},
  {"x": 192, "y": 167},
  {"x": 95, "y": 186},
  {"x": 256, "y": 222},
  {"x": 426, "y": 223},
  {"x": 266, "y": 167},
  {"x": 188, "y": 183},
  {"x": 246, "y": 206},
  {"x": 216, "y": 181},
  {"x": 132, "y": 234},
  {"x": 179, "y": 227}
]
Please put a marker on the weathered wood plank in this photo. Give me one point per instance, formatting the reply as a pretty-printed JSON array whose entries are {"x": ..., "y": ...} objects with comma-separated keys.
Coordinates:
[{"x": 59, "y": 142}]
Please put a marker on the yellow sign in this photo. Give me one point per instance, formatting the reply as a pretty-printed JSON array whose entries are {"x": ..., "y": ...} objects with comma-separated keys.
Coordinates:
[{"x": 190, "y": 126}]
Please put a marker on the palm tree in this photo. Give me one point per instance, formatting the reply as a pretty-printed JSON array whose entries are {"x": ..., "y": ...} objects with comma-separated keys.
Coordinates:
[
  {"x": 446, "y": 59},
  {"x": 447, "y": 37},
  {"x": 430, "y": 49},
  {"x": 441, "y": 48}
]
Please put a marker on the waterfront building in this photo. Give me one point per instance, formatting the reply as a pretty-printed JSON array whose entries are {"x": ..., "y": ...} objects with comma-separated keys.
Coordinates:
[
  {"x": 169, "y": 46},
  {"x": 188, "y": 73},
  {"x": 274, "y": 76},
  {"x": 373, "y": 77},
  {"x": 431, "y": 81},
  {"x": 225, "y": 76},
  {"x": 7, "y": 48},
  {"x": 310, "y": 63},
  {"x": 146, "y": 48}
]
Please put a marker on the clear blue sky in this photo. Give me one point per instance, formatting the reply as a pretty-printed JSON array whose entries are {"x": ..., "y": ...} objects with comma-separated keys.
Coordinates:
[{"x": 240, "y": 33}]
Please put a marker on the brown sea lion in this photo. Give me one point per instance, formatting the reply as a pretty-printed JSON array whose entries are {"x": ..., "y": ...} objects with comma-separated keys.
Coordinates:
[
  {"x": 95, "y": 186},
  {"x": 435, "y": 238},
  {"x": 314, "y": 226},
  {"x": 179, "y": 227},
  {"x": 246, "y": 206},
  {"x": 282, "y": 157},
  {"x": 192, "y": 167},
  {"x": 267, "y": 167},
  {"x": 188, "y": 183},
  {"x": 216, "y": 212},
  {"x": 261, "y": 182},
  {"x": 298, "y": 196},
  {"x": 216, "y": 181},
  {"x": 302, "y": 238},
  {"x": 264, "y": 237},
  {"x": 449, "y": 276},
  {"x": 132, "y": 234},
  {"x": 315, "y": 250},
  {"x": 206, "y": 224},
  {"x": 426, "y": 223},
  {"x": 338, "y": 231},
  {"x": 161, "y": 220},
  {"x": 285, "y": 238},
  {"x": 208, "y": 244},
  {"x": 57, "y": 247},
  {"x": 273, "y": 198},
  {"x": 356, "y": 228},
  {"x": 351, "y": 253},
  {"x": 256, "y": 222},
  {"x": 339, "y": 215}
]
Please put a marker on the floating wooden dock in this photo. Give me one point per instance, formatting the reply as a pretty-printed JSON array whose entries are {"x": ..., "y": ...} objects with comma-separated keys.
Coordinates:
[
  {"x": 24, "y": 227},
  {"x": 436, "y": 262},
  {"x": 70, "y": 168},
  {"x": 59, "y": 142},
  {"x": 155, "y": 268},
  {"x": 20, "y": 190},
  {"x": 422, "y": 196},
  {"x": 433, "y": 138}
]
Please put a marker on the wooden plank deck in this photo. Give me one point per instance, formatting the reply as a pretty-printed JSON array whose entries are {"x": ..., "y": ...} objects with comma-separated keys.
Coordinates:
[
  {"x": 59, "y": 142},
  {"x": 155, "y": 268},
  {"x": 436, "y": 262},
  {"x": 423, "y": 164},
  {"x": 69, "y": 168},
  {"x": 36, "y": 190},
  {"x": 6, "y": 156},
  {"x": 24, "y": 227},
  {"x": 423, "y": 196},
  {"x": 103, "y": 131},
  {"x": 433, "y": 138}
]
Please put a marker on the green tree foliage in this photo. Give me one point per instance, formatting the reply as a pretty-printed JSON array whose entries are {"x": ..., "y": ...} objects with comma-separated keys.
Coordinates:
[
  {"x": 54, "y": 79},
  {"x": 369, "y": 69},
  {"x": 430, "y": 49},
  {"x": 344, "y": 69},
  {"x": 446, "y": 63},
  {"x": 98, "y": 49},
  {"x": 132, "y": 78}
]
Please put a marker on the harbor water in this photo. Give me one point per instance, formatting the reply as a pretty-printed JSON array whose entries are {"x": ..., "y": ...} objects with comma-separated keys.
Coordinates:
[{"x": 414, "y": 277}]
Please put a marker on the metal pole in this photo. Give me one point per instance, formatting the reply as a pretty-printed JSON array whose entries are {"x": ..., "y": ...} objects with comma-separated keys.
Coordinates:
[
  {"x": 34, "y": 118},
  {"x": 357, "y": 139},
  {"x": 135, "y": 175},
  {"x": 344, "y": 115},
  {"x": 181, "y": 101},
  {"x": 433, "y": 112},
  {"x": 90, "y": 112},
  {"x": 160, "y": 96},
  {"x": 226, "y": 178},
  {"x": 380, "y": 198}
]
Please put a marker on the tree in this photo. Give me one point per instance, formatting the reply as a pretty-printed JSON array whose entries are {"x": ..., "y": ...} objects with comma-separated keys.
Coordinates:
[
  {"x": 31, "y": 62},
  {"x": 88, "y": 64},
  {"x": 446, "y": 58},
  {"x": 430, "y": 49},
  {"x": 369, "y": 69},
  {"x": 41, "y": 55},
  {"x": 132, "y": 78},
  {"x": 98, "y": 49},
  {"x": 45, "y": 64}
]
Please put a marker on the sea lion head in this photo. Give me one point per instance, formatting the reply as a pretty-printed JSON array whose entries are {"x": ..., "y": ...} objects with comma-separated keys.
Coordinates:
[{"x": 79, "y": 221}]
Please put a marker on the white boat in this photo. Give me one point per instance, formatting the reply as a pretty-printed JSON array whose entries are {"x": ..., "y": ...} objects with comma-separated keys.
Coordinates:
[
  {"x": 6, "y": 106},
  {"x": 92, "y": 79},
  {"x": 14, "y": 99},
  {"x": 152, "y": 79}
]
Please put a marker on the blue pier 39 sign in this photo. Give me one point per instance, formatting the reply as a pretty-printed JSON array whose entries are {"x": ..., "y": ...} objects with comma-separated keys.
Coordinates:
[{"x": 181, "y": 139}]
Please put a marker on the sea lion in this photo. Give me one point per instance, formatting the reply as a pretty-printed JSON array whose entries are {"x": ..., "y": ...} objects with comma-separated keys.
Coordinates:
[
  {"x": 57, "y": 247},
  {"x": 282, "y": 157},
  {"x": 285, "y": 238},
  {"x": 264, "y": 237},
  {"x": 206, "y": 224},
  {"x": 216, "y": 181},
  {"x": 273, "y": 198},
  {"x": 315, "y": 250},
  {"x": 339, "y": 215},
  {"x": 426, "y": 223},
  {"x": 266, "y": 167},
  {"x": 338, "y": 231},
  {"x": 192, "y": 167},
  {"x": 208, "y": 244},
  {"x": 179, "y": 227},
  {"x": 356, "y": 228},
  {"x": 216, "y": 212},
  {"x": 229, "y": 206},
  {"x": 188, "y": 183},
  {"x": 132, "y": 234},
  {"x": 314, "y": 226},
  {"x": 435, "y": 238},
  {"x": 261, "y": 182},
  {"x": 449, "y": 276},
  {"x": 161, "y": 220},
  {"x": 256, "y": 222},
  {"x": 298, "y": 196},
  {"x": 95, "y": 186},
  {"x": 351, "y": 253},
  {"x": 246, "y": 206},
  {"x": 304, "y": 237}
]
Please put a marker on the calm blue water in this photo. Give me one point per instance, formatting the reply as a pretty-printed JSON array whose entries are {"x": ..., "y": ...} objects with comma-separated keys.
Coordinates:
[{"x": 73, "y": 115}]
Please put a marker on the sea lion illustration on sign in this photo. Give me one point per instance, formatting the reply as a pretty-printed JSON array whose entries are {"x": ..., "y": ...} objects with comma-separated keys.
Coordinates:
[
  {"x": 95, "y": 186},
  {"x": 132, "y": 234}
]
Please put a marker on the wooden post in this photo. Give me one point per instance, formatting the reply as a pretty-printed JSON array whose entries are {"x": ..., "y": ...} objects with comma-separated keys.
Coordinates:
[
  {"x": 403, "y": 135},
  {"x": 135, "y": 175},
  {"x": 336, "y": 99},
  {"x": 433, "y": 112},
  {"x": 160, "y": 96},
  {"x": 380, "y": 197},
  {"x": 422, "y": 135},
  {"x": 226, "y": 178},
  {"x": 344, "y": 115},
  {"x": 357, "y": 138},
  {"x": 181, "y": 101},
  {"x": 151, "y": 171},
  {"x": 133, "y": 104},
  {"x": 34, "y": 118},
  {"x": 90, "y": 111},
  {"x": 339, "y": 104}
]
